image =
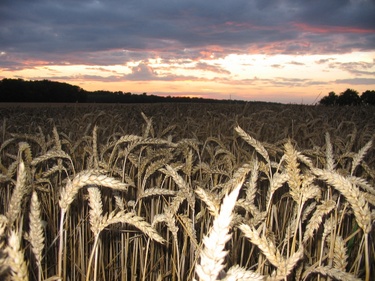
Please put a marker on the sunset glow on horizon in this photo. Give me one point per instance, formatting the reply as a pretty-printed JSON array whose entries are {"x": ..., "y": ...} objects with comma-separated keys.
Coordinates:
[{"x": 248, "y": 50}]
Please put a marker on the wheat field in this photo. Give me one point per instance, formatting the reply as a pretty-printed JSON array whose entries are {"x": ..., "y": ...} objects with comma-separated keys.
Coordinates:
[{"x": 187, "y": 192}]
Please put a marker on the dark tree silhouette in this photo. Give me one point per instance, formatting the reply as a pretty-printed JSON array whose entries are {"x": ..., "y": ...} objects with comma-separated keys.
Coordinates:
[
  {"x": 19, "y": 90},
  {"x": 331, "y": 99},
  {"x": 349, "y": 97},
  {"x": 368, "y": 97}
]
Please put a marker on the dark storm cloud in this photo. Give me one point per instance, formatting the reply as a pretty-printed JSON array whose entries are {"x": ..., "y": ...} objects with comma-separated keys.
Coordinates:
[
  {"x": 114, "y": 31},
  {"x": 350, "y": 14}
]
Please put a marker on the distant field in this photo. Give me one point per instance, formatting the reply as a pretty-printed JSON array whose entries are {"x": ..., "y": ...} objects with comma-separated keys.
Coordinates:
[
  {"x": 187, "y": 191},
  {"x": 41, "y": 105}
]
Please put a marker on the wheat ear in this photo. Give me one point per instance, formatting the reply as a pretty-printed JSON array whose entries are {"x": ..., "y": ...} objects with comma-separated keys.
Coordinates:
[
  {"x": 96, "y": 211},
  {"x": 335, "y": 273},
  {"x": 323, "y": 209},
  {"x": 356, "y": 199},
  {"x": 358, "y": 203},
  {"x": 16, "y": 259},
  {"x": 266, "y": 246},
  {"x": 3, "y": 261},
  {"x": 36, "y": 232},
  {"x": 213, "y": 254},
  {"x": 15, "y": 204},
  {"x": 360, "y": 155},
  {"x": 95, "y": 147},
  {"x": 67, "y": 195},
  {"x": 237, "y": 273},
  {"x": 210, "y": 199},
  {"x": 340, "y": 258},
  {"x": 329, "y": 153},
  {"x": 292, "y": 168},
  {"x": 255, "y": 144},
  {"x": 88, "y": 177},
  {"x": 54, "y": 153}
]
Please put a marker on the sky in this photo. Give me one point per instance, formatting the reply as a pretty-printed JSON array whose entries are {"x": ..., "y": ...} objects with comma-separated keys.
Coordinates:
[{"x": 289, "y": 51}]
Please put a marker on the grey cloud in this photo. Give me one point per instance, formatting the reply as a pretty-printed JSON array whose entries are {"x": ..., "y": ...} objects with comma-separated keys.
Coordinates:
[
  {"x": 356, "y": 81},
  {"x": 296, "y": 63},
  {"x": 191, "y": 94},
  {"x": 142, "y": 72},
  {"x": 277, "y": 66},
  {"x": 356, "y": 68},
  {"x": 291, "y": 82},
  {"x": 323, "y": 61},
  {"x": 316, "y": 83},
  {"x": 85, "y": 30},
  {"x": 211, "y": 68},
  {"x": 345, "y": 13}
]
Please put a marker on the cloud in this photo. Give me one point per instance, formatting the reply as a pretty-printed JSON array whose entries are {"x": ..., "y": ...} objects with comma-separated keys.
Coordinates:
[
  {"x": 358, "y": 68},
  {"x": 356, "y": 81},
  {"x": 277, "y": 66},
  {"x": 324, "y": 61},
  {"x": 68, "y": 29},
  {"x": 142, "y": 72},
  {"x": 338, "y": 14},
  {"x": 212, "y": 68},
  {"x": 296, "y": 63},
  {"x": 190, "y": 37}
]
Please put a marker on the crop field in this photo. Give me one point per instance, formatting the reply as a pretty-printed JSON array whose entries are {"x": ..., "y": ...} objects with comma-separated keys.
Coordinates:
[{"x": 204, "y": 192}]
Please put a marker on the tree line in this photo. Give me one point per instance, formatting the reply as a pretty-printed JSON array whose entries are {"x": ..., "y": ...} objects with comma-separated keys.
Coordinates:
[
  {"x": 44, "y": 91},
  {"x": 349, "y": 97}
]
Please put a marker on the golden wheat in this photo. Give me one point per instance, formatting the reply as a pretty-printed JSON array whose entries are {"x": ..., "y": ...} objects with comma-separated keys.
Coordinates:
[
  {"x": 36, "y": 233},
  {"x": 120, "y": 192},
  {"x": 213, "y": 254},
  {"x": 15, "y": 259}
]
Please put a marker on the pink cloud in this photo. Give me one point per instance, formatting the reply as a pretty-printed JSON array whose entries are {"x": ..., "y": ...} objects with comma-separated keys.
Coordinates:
[{"x": 331, "y": 29}]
